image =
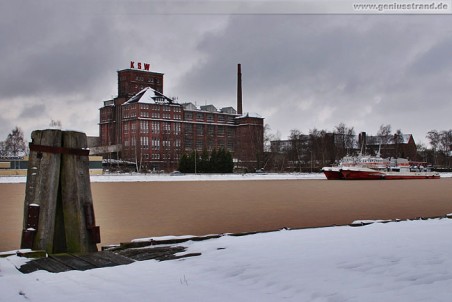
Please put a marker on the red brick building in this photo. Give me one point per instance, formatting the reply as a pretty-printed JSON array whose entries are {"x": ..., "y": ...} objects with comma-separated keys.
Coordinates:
[{"x": 155, "y": 131}]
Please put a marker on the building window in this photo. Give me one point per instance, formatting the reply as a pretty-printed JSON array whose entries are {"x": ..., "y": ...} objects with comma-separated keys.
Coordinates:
[
  {"x": 177, "y": 128},
  {"x": 144, "y": 142},
  {"x": 155, "y": 143},
  {"x": 220, "y": 131},
  {"x": 155, "y": 127},
  {"x": 188, "y": 143},
  {"x": 200, "y": 129},
  {"x": 210, "y": 130},
  {"x": 144, "y": 125},
  {"x": 166, "y": 128},
  {"x": 166, "y": 144},
  {"x": 230, "y": 146},
  {"x": 188, "y": 116}
]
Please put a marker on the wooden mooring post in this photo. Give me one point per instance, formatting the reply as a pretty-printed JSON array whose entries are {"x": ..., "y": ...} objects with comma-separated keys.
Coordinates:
[{"x": 58, "y": 207}]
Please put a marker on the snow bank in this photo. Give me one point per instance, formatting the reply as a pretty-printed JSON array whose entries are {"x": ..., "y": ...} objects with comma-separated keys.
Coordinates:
[
  {"x": 135, "y": 177},
  {"x": 397, "y": 261}
]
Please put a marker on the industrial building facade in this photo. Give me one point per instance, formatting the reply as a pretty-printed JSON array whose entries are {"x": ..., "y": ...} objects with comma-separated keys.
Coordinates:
[{"x": 155, "y": 131}]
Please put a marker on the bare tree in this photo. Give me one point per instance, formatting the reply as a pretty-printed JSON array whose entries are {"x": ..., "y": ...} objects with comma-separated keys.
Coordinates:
[
  {"x": 434, "y": 138},
  {"x": 398, "y": 140},
  {"x": 270, "y": 155},
  {"x": 2, "y": 149},
  {"x": 268, "y": 137},
  {"x": 445, "y": 146},
  {"x": 297, "y": 147},
  {"x": 15, "y": 144},
  {"x": 344, "y": 138},
  {"x": 55, "y": 124},
  {"x": 384, "y": 133}
]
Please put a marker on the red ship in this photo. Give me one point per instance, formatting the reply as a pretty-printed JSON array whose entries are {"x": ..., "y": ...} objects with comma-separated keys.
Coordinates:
[{"x": 372, "y": 168}]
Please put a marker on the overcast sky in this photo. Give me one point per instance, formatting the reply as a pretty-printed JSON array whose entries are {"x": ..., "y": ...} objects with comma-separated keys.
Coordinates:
[{"x": 59, "y": 61}]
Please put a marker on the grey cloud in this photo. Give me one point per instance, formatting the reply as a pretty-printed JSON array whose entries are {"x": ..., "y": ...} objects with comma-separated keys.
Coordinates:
[
  {"x": 435, "y": 60},
  {"x": 300, "y": 71},
  {"x": 55, "y": 49},
  {"x": 353, "y": 68},
  {"x": 33, "y": 111}
]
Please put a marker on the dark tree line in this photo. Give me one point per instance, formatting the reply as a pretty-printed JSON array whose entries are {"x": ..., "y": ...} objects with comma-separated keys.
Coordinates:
[
  {"x": 440, "y": 152},
  {"x": 311, "y": 151},
  {"x": 217, "y": 161}
]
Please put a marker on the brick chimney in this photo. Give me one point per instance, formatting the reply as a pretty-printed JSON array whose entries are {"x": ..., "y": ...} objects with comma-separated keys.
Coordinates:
[{"x": 239, "y": 90}]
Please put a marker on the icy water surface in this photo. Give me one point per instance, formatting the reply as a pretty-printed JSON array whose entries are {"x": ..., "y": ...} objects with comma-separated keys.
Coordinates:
[{"x": 129, "y": 210}]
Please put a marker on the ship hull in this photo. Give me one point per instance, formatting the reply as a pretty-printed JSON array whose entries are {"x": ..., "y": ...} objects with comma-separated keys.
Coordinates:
[
  {"x": 365, "y": 174},
  {"x": 369, "y": 174},
  {"x": 411, "y": 175},
  {"x": 332, "y": 173}
]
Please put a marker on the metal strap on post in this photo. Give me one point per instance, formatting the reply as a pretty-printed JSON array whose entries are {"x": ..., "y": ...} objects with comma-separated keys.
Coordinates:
[{"x": 58, "y": 150}]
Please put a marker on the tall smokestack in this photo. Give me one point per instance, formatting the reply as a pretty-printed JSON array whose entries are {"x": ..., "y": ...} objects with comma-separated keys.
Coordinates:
[{"x": 239, "y": 89}]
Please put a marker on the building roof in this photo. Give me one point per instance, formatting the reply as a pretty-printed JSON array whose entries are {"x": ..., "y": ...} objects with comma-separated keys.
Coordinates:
[
  {"x": 250, "y": 114},
  {"x": 149, "y": 96},
  {"x": 375, "y": 140}
]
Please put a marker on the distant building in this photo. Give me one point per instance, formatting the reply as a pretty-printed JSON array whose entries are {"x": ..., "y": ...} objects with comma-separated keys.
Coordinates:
[
  {"x": 307, "y": 151},
  {"x": 392, "y": 146},
  {"x": 151, "y": 129}
]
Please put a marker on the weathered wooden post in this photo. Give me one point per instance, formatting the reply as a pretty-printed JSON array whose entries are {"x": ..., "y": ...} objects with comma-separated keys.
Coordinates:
[
  {"x": 58, "y": 209},
  {"x": 77, "y": 204}
]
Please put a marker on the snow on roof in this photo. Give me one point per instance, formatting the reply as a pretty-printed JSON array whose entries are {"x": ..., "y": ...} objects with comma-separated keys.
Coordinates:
[
  {"x": 371, "y": 139},
  {"x": 210, "y": 108},
  {"x": 189, "y": 106},
  {"x": 149, "y": 96},
  {"x": 250, "y": 114}
]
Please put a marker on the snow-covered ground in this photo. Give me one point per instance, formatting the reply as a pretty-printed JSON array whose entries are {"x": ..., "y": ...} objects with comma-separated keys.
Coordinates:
[
  {"x": 396, "y": 261},
  {"x": 135, "y": 177}
]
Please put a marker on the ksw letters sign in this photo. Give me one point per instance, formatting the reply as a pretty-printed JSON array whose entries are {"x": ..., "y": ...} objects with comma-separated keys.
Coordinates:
[{"x": 139, "y": 65}]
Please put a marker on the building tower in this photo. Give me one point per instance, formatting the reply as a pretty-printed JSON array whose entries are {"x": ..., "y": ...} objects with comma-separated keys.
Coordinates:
[
  {"x": 239, "y": 90},
  {"x": 136, "y": 78}
]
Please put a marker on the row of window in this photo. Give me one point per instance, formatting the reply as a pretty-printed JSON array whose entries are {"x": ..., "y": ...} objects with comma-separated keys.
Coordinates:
[
  {"x": 158, "y": 156},
  {"x": 166, "y": 127},
  {"x": 157, "y": 127},
  {"x": 145, "y": 79},
  {"x": 155, "y": 143},
  {"x": 156, "y": 107},
  {"x": 131, "y": 111},
  {"x": 189, "y": 144}
]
